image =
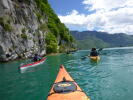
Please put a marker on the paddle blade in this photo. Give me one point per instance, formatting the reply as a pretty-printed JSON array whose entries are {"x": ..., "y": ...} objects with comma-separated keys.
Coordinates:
[
  {"x": 83, "y": 58},
  {"x": 100, "y": 49}
]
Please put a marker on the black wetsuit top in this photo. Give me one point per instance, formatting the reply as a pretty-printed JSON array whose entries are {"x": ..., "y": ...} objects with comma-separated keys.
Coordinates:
[
  {"x": 36, "y": 58},
  {"x": 94, "y": 53}
]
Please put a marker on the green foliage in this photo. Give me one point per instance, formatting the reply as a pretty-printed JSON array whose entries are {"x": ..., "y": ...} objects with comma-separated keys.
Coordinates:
[
  {"x": 55, "y": 26},
  {"x": 71, "y": 39},
  {"x": 24, "y": 36},
  {"x": 52, "y": 26},
  {"x": 64, "y": 33},
  {"x": 1, "y": 20},
  {"x": 5, "y": 23},
  {"x": 51, "y": 42},
  {"x": 23, "y": 30},
  {"x": 52, "y": 18},
  {"x": 52, "y": 48},
  {"x": 43, "y": 27},
  {"x": 38, "y": 2},
  {"x": 66, "y": 37},
  {"x": 43, "y": 6},
  {"x": 39, "y": 16},
  {"x": 62, "y": 48},
  {"x": 8, "y": 27},
  {"x": 62, "y": 30}
]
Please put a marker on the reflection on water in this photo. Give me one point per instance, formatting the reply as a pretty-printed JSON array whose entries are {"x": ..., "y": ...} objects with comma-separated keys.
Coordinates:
[
  {"x": 94, "y": 63},
  {"x": 29, "y": 69}
]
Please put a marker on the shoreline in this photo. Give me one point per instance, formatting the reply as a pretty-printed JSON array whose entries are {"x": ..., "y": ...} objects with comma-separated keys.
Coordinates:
[
  {"x": 53, "y": 54},
  {"x": 19, "y": 59}
]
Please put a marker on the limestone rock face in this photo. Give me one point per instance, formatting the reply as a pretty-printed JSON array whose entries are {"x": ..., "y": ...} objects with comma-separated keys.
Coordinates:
[{"x": 20, "y": 36}]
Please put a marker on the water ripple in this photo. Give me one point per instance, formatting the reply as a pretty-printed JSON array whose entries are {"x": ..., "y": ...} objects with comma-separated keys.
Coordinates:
[{"x": 109, "y": 79}]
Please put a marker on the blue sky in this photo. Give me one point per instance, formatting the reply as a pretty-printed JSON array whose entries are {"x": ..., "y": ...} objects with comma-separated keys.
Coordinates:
[
  {"x": 63, "y": 7},
  {"x": 112, "y": 16}
]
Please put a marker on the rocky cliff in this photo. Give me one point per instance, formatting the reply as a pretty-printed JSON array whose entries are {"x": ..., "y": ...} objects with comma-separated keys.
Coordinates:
[
  {"x": 19, "y": 33},
  {"x": 23, "y": 26}
]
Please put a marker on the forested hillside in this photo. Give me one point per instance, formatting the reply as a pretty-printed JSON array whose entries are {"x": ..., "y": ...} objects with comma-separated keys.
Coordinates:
[{"x": 89, "y": 39}]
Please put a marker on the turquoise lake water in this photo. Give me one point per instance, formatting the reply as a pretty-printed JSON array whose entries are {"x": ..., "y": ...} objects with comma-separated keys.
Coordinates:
[{"x": 109, "y": 79}]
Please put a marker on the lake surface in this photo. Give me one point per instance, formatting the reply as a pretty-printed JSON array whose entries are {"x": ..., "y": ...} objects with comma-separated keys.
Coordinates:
[{"x": 109, "y": 79}]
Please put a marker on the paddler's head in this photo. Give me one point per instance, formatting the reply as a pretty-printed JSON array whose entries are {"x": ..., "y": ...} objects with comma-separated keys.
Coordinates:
[
  {"x": 36, "y": 54},
  {"x": 93, "y": 49}
]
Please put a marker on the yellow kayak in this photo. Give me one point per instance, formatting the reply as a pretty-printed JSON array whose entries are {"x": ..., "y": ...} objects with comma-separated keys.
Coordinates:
[{"x": 95, "y": 58}]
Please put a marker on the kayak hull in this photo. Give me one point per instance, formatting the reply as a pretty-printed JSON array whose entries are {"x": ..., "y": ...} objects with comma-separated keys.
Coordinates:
[
  {"x": 33, "y": 64},
  {"x": 78, "y": 94},
  {"x": 94, "y": 58}
]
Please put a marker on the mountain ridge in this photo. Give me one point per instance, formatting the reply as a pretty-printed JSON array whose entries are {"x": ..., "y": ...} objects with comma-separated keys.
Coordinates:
[{"x": 113, "y": 40}]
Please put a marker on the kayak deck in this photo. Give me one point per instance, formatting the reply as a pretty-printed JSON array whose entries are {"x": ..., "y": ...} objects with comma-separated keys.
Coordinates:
[
  {"x": 95, "y": 58},
  {"x": 65, "y": 81}
]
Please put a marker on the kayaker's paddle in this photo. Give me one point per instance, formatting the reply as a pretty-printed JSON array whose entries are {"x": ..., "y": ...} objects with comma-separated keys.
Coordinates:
[
  {"x": 83, "y": 57},
  {"x": 100, "y": 49}
]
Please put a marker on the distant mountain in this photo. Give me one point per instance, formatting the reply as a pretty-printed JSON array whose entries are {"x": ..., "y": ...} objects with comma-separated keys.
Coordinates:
[{"x": 89, "y": 39}]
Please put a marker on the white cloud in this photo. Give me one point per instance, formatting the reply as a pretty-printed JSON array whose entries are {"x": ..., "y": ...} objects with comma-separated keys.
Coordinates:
[
  {"x": 107, "y": 4},
  {"x": 74, "y": 18},
  {"x": 113, "y": 16}
]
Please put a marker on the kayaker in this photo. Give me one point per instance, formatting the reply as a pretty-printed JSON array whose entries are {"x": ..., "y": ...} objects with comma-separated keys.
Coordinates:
[
  {"x": 94, "y": 52},
  {"x": 36, "y": 58}
]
